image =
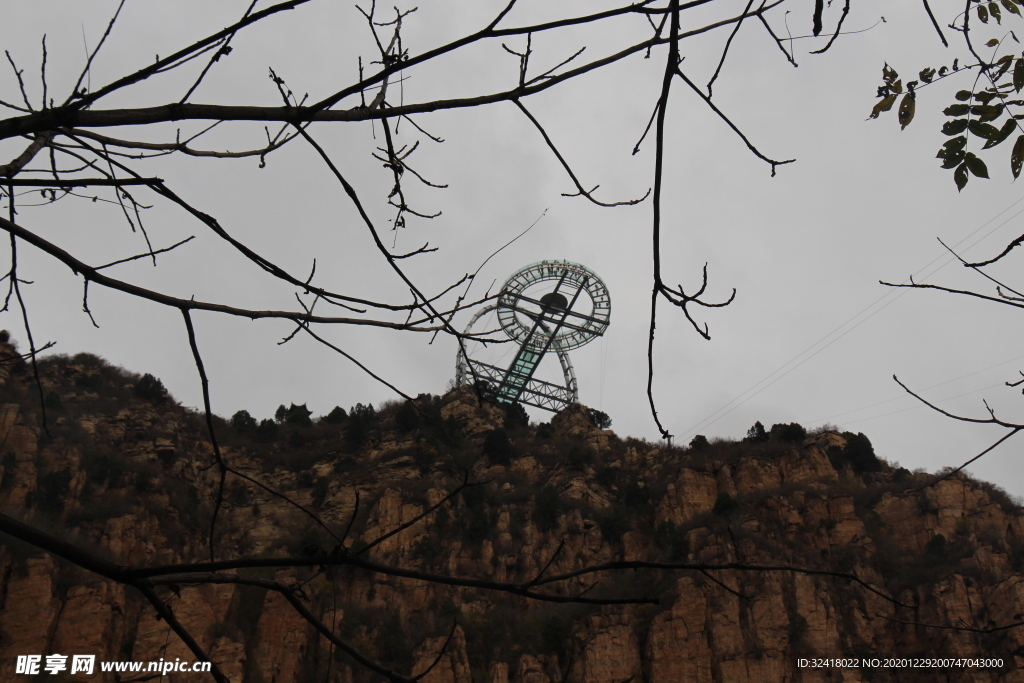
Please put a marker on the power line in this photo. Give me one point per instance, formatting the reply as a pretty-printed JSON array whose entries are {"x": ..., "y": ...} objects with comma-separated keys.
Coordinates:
[
  {"x": 904, "y": 395},
  {"x": 943, "y": 400},
  {"x": 892, "y": 295}
]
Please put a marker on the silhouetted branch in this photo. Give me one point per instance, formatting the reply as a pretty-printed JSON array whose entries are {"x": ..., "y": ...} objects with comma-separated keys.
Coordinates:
[
  {"x": 458, "y": 489},
  {"x": 839, "y": 26},
  {"x": 952, "y": 472},
  {"x": 94, "y": 275},
  {"x": 561, "y": 544},
  {"x": 76, "y": 90},
  {"x": 440, "y": 653},
  {"x": 148, "y": 253},
  {"x": 205, "y": 383},
  {"x": 728, "y": 44},
  {"x": 289, "y": 594},
  {"x": 274, "y": 143},
  {"x": 74, "y": 116},
  {"x": 168, "y": 616},
  {"x": 223, "y": 50},
  {"x": 928, "y": 9},
  {"x": 778, "y": 41},
  {"x": 9, "y": 170},
  {"x": 15, "y": 285},
  {"x": 707, "y": 100},
  {"x": 1010, "y": 247},
  {"x": 421, "y": 250},
  {"x": 580, "y": 191},
  {"x": 917, "y": 285},
  {"x": 80, "y": 182},
  {"x": 993, "y": 629}
]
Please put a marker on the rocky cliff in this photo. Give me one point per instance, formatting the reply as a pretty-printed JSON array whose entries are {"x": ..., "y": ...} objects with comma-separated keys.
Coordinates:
[{"x": 121, "y": 471}]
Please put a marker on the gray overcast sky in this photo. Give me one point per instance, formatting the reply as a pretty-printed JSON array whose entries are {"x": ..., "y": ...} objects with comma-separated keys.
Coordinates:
[{"x": 805, "y": 250}]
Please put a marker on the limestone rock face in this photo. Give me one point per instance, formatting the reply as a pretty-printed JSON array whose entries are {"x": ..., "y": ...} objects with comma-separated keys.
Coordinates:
[
  {"x": 283, "y": 637},
  {"x": 475, "y": 416},
  {"x": 30, "y": 610},
  {"x": 611, "y": 651},
  {"x": 131, "y": 482}
]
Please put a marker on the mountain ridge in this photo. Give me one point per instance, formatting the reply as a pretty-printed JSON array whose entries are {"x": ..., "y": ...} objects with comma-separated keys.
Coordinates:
[{"x": 125, "y": 473}]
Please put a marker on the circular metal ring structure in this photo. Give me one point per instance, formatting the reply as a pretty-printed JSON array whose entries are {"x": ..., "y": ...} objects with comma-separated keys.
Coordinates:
[
  {"x": 546, "y": 306},
  {"x": 579, "y": 298}
]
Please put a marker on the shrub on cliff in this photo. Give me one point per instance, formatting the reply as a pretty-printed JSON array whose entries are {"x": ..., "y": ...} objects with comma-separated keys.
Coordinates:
[
  {"x": 151, "y": 389},
  {"x": 725, "y": 505},
  {"x": 613, "y": 522},
  {"x": 515, "y": 416},
  {"x": 788, "y": 432},
  {"x": 336, "y": 416},
  {"x": 360, "y": 420},
  {"x": 475, "y": 522},
  {"x": 600, "y": 418},
  {"x": 756, "y": 434},
  {"x": 858, "y": 454},
  {"x": 407, "y": 418},
  {"x": 578, "y": 456},
  {"x": 498, "y": 448},
  {"x": 547, "y": 507},
  {"x": 267, "y": 431},
  {"x": 243, "y": 422},
  {"x": 545, "y": 431}
]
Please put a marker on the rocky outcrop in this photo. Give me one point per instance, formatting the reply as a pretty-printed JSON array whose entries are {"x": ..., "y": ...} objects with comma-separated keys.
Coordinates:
[
  {"x": 473, "y": 414},
  {"x": 130, "y": 480}
]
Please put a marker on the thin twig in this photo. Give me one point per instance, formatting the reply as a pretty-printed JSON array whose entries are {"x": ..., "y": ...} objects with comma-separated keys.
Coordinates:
[{"x": 580, "y": 191}]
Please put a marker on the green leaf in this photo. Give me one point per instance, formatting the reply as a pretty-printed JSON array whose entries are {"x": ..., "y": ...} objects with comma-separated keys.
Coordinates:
[
  {"x": 884, "y": 104},
  {"x": 897, "y": 87},
  {"x": 1005, "y": 62},
  {"x": 955, "y": 144},
  {"x": 1008, "y": 127},
  {"x": 984, "y": 96},
  {"x": 1010, "y": 7},
  {"x": 983, "y": 130},
  {"x": 960, "y": 176},
  {"x": 983, "y": 15},
  {"x": 994, "y": 10},
  {"x": 976, "y": 165},
  {"x": 927, "y": 74},
  {"x": 964, "y": 95},
  {"x": 957, "y": 110},
  {"x": 992, "y": 43},
  {"x": 906, "y": 112},
  {"x": 1018, "y": 75},
  {"x": 953, "y": 159},
  {"x": 987, "y": 112},
  {"x": 954, "y": 127},
  {"x": 1017, "y": 156}
]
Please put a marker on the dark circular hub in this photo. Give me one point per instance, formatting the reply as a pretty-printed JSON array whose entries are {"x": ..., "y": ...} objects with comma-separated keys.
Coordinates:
[{"x": 554, "y": 301}]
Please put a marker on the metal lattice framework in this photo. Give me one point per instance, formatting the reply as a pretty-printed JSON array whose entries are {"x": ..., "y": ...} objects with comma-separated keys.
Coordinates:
[{"x": 546, "y": 306}]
